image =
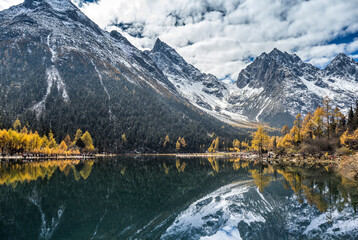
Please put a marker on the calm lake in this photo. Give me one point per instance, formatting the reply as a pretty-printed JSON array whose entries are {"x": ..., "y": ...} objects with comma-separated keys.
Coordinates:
[{"x": 169, "y": 198}]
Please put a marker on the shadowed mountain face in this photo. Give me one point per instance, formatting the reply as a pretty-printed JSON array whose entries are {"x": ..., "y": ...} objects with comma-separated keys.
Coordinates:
[{"x": 59, "y": 70}]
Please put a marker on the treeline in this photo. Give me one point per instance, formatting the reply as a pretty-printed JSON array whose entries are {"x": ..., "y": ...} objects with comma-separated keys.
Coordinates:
[
  {"x": 18, "y": 140},
  {"x": 327, "y": 130}
]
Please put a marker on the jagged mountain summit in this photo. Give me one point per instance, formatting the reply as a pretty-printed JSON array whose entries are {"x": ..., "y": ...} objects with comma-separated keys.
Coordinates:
[
  {"x": 278, "y": 85},
  {"x": 59, "y": 70},
  {"x": 272, "y": 89},
  {"x": 204, "y": 91}
]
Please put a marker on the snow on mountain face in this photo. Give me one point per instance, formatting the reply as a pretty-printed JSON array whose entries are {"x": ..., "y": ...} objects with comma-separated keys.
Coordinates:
[
  {"x": 204, "y": 91},
  {"x": 277, "y": 86},
  {"x": 342, "y": 66},
  {"x": 62, "y": 20},
  {"x": 273, "y": 89},
  {"x": 63, "y": 29}
]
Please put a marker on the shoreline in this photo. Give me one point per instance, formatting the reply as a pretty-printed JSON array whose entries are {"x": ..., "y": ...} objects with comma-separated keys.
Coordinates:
[
  {"x": 33, "y": 157},
  {"x": 332, "y": 163}
]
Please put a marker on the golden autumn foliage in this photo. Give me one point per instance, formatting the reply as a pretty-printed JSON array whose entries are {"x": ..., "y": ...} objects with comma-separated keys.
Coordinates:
[
  {"x": 236, "y": 145},
  {"x": 245, "y": 145},
  {"x": 78, "y": 135},
  {"x": 318, "y": 122},
  {"x": 177, "y": 145},
  {"x": 124, "y": 139},
  {"x": 307, "y": 131},
  {"x": 63, "y": 146},
  {"x": 166, "y": 141},
  {"x": 18, "y": 142},
  {"x": 19, "y": 173},
  {"x": 350, "y": 140},
  {"x": 273, "y": 143},
  {"x": 285, "y": 130},
  {"x": 214, "y": 147},
  {"x": 286, "y": 141},
  {"x": 260, "y": 140},
  {"x": 317, "y": 131},
  {"x": 88, "y": 142},
  {"x": 181, "y": 143}
]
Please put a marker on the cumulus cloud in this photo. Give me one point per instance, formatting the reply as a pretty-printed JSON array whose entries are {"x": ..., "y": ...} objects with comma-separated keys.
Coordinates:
[{"x": 222, "y": 36}]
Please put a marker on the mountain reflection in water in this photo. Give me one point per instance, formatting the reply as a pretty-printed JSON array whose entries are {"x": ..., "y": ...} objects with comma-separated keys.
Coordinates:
[{"x": 169, "y": 198}]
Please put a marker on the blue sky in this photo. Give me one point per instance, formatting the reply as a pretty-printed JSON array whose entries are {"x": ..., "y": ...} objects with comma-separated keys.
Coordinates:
[{"x": 222, "y": 36}]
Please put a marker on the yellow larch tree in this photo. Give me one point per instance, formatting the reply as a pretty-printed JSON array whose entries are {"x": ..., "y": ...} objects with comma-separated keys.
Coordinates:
[
  {"x": 124, "y": 139},
  {"x": 17, "y": 125},
  {"x": 177, "y": 145},
  {"x": 78, "y": 135},
  {"x": 63, "y": 146},
  {"x": 307, "y": 127},
  {"x": 166, "y": 141},
  {"x": 285, "y": 130},
  {"x": 318, "y": 122},
  {"x": 88, "y": 142},
  {"x": 261, "y": 140},
  {"x": 52, "y": 141}
]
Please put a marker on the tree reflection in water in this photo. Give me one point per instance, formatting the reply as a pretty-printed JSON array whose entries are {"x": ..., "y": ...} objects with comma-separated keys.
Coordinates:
[
  {"x": 27, "y": 172},
  {"x": 123, "y": 198}
]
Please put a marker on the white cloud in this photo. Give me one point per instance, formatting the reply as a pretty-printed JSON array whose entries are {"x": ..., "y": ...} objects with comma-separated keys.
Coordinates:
[
  {"x": 4, "y": 4},
  {"x": 221, "y": 36}
]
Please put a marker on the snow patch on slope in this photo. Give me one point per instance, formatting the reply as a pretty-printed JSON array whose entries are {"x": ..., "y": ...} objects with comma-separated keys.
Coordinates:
[{"x": 52, "y": 77}]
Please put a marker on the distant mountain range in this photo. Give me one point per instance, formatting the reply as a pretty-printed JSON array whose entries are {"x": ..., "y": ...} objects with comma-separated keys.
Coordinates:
[
  {"x": 272, "y": 89},
  {"x": 60, "y": 71}
]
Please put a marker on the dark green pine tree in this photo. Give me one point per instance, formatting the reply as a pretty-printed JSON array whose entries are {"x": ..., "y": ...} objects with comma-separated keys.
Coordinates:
[{"x": 350, "y": 119}]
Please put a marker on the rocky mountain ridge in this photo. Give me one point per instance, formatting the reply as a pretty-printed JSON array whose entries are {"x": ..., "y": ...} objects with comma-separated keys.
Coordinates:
[
  {"x": 279, "y": 85},
  {"x": 272, "y": 89}
]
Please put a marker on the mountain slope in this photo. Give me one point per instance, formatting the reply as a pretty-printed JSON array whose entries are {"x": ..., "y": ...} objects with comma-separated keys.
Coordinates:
[{"x": 59, "y": 70}]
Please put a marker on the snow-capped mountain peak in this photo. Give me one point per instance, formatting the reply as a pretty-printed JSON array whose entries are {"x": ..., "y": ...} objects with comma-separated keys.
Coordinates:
[
  {"x": 343, "y": 66},
  {"x": 204, "y": 91},
  {"x": 278, "y": 85},
  {"x": 57, "y": 5}
]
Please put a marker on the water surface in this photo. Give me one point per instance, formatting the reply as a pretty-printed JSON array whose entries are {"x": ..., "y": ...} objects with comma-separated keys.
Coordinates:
[{"x": 169, "y": 198}]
